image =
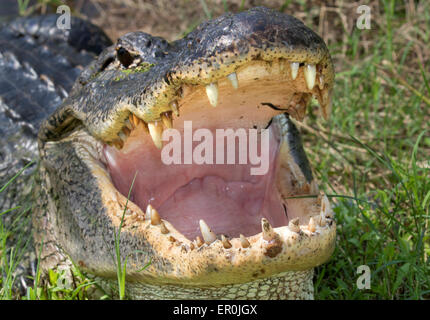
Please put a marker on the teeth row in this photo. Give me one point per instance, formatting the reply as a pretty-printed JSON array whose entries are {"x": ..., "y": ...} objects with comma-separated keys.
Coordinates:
[
  {"x": 268, "y": 233},
  {"x": 156, "y": 127},
  {"x": 310, "y": 72}
]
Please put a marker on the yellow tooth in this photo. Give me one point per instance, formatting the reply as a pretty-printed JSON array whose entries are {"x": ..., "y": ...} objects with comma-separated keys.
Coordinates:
[
  {"x": 166, "y": 117},
  {"x": 122, "y": 136},
  {"x": 294, "y": 225},
  {"x": 310, "y": 75},
  {"x": 207, "y": 233},
  {"x": 126, "y": 131},
  {"x": 321, "y": 220},
  {"x": 233, "y": 79},
  {"x": 199, "y": 241},
  {"x": 135, "y": 120},
  {"x": 312, "y": 226},
  {"x": 174, "y": 106},
  {"x": 212, "y": 93},
  {"x": 148, "y": 212},
  {"x": 294, "y": 69},
  {"x": 326, "y": 207},
  {"x": 155, "y": 217},
  {"x": 225, "y": 242},
  {"x": 128, "y": 124},
  {"x": 321, "y": 82},
  {"x": 163, "y": 228},
  {"x": 130, "y": 119},
  {"x": 156, "y": 131},
  {"x": 268, "y": 233},
  {"x": 244, "y": 242}
]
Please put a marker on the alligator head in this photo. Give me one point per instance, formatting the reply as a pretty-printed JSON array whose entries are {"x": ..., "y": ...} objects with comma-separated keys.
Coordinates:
[{"x": 208, "y": 230}]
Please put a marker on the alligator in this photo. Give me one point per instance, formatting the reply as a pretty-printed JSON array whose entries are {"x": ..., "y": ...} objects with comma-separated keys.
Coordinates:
[{"x": 188, "y": 230}]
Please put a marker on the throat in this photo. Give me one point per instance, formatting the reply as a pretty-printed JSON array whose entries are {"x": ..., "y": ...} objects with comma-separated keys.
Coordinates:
[{"x": 290, "y": 285}]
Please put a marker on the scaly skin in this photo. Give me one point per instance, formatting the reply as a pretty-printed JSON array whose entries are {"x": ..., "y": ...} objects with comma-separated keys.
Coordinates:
[{"x": 79, "y": 209}]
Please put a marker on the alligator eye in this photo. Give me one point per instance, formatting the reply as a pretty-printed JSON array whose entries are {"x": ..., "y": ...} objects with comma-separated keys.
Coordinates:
[{"x": 124, "y": 57}]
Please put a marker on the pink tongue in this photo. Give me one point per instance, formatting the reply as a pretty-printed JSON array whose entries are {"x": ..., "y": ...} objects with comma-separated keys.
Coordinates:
[
  {"x": 229, "y": 208},
  {"x": 227, "y": 197}
]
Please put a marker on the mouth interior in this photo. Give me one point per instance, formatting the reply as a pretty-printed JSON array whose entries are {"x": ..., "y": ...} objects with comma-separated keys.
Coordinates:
[{"x": 227, "y": 197}]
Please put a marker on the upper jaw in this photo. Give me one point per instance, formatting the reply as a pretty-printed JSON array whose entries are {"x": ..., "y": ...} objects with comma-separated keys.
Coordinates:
[{"x": 211, "y": 53}]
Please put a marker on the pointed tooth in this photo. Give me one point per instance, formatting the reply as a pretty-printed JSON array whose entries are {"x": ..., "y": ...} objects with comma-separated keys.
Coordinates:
[
  {"x": 326, "y": 207},
  {"x": 148, "y": 212},
  {"x": 268, "y": 232},
  {"x": 199, "y": 241},
  {"x": 155, "y": 217},
  {"x": 321, "y": 220},
  {"x": 212, "y": 93},
  {"x": 126, "y": 131},
  {"x": 131, "y": 121},
  {"x": 294, "y": 69},
  {"x": 244, "y": 242},
  {"x": 174, "y": 106},
  {"x": 156, "y": 130},
  {"x": 136, "y": 120},
  {"x": 163, "y": 228},
  {"x": 310, "y": 75},
  {"x": 207, "y": 233},
  {"x": 321, "y": 82},
  {"x": 233, "y": 79},
  {"x": 128, "y": 124},
  {"x": 225, "y": 242},
  {"x": 122, "y": 136},
  {"x": 166, "y": 117},
  {"x": 294, "y": 225},
  {"x": 312, "y": 225}
]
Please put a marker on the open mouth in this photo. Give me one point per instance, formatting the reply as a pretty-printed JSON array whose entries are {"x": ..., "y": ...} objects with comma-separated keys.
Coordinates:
[
  {"x": 201, "y": 222},
  {"x": 209, "y": 201}
]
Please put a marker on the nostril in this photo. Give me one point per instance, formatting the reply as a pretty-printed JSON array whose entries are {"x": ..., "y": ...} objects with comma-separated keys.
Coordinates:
[{"x": 124, "y": 57}]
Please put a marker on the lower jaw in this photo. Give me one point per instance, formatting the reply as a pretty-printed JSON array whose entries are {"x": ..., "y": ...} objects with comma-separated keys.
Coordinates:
[{"x": 177, "y": 261}]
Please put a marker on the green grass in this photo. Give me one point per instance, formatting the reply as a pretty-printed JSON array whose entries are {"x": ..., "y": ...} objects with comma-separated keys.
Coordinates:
[
  {"x": 377, "y": 149},
  {"x": 372, "y": 157}
]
